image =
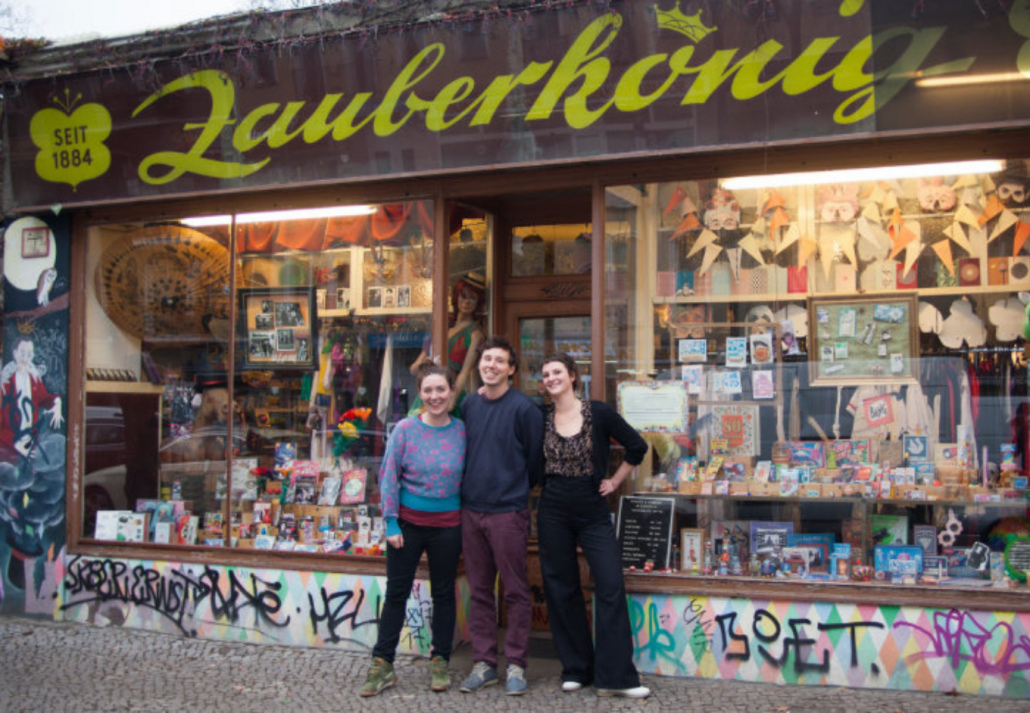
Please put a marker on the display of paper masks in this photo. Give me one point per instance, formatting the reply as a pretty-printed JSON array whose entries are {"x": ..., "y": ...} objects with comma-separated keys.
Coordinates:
[
  {"x": 935, "y": 196},
  {"x": 838, "y": 202},
  {"x": 1012, "y": 186},
  {"x": 722, "y": 211}
]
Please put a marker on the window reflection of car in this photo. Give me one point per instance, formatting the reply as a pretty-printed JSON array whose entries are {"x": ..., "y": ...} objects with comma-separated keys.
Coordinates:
[{"x": 104, "y": 485}]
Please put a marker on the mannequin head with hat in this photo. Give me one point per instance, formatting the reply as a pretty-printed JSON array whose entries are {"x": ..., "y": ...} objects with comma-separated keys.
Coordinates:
[
  {"x": 468, "y": 307},
  {"x": 468, "y": 297}
]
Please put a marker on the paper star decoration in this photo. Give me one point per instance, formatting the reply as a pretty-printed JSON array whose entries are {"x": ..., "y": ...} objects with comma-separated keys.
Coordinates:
[
  {"x": 993, "y": 208},
  {"x": 1022, "y": 233},
  {"x": 790, "y": 236},
  {"x": 966, "y": 216},
  {"x": 806, "y": 248},
  {"x": 750, "y": 245},
  {"x": 689, "y": 223},
  {"x": 1006, "y": 219},
  {"x": 958, "y": 236},
  {"x": 901, "y": 236},
  {"x": 943, "y": 250},
  {"x": 711, "y": 253},
  {"x": 678, "y": 195},
  {"x": 706, "y": 238}
]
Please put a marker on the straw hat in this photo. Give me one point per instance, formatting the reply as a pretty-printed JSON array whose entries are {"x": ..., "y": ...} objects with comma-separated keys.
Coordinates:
[
  {"x": 163, "y": 282},
  {"x": 475, "y": 280}
]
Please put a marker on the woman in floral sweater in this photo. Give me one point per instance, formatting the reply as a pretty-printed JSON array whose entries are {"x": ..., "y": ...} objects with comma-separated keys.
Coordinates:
[{"x": 420, "y": 493}]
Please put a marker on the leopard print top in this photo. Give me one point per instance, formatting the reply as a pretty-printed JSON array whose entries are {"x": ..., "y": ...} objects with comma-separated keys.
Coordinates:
[{"x": 569, "y": 457}]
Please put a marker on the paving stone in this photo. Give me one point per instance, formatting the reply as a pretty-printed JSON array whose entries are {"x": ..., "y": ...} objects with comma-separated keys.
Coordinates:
[{"x": 52, "y": 666}]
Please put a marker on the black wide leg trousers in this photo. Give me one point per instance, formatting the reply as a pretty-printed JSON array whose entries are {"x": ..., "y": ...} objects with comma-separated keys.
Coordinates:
[{"x": 572, "y": 511}]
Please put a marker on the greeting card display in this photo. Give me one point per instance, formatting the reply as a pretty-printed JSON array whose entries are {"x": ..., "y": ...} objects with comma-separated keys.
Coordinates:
[
  {"x": 353, "y": 486},
  {"x": 863, "y": 339}
]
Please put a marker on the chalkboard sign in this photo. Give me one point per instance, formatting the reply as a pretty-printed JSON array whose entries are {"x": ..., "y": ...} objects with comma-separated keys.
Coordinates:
[
  {"x": 1017, "y": 556},
  {"x": 645, "y": 531}
]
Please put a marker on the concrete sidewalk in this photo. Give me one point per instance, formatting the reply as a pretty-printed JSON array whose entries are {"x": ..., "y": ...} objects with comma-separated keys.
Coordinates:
[{"x": 58, "y": 666}]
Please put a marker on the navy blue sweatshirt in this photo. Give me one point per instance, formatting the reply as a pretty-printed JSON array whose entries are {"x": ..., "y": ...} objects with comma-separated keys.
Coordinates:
[{"x": 504, "y": 452}]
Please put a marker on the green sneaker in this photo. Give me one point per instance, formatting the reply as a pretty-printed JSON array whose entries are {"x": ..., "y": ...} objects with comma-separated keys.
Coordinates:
[
  {"x": 380, "y": 677},
  {"x": 439, "y": 676}
]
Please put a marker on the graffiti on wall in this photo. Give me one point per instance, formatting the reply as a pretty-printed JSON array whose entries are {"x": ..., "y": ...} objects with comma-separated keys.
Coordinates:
[
  {"x": 33, "y": 411},
  {"x": 239, "y": 604},
  {"x": 906, "y": 648}
]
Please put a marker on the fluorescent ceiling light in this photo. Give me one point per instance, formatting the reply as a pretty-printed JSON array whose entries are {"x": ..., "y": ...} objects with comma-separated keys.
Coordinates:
[
  {"x": 968, "y": 79},
  {"x": 343, "y": 211},
  {"x": 854, "y": 175}
]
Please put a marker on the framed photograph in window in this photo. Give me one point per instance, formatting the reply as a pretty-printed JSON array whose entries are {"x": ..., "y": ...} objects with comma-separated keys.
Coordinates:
[
  {"x": 868, "y": 339},
  {"x": 692, "y": 550},
  {"x": 277, "y": 327}
]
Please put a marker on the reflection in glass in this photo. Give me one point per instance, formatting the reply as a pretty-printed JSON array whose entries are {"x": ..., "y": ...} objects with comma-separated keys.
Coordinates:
[
  {"x": 781, "y": 306},
  {"x": 278, "y": 447},
  {"x": 541, "y": 336},
  {"x": 551, "y": 250}
]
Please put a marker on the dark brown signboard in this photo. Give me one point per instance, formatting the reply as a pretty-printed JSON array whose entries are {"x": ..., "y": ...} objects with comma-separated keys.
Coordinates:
[{"x": 584, "y": 81}]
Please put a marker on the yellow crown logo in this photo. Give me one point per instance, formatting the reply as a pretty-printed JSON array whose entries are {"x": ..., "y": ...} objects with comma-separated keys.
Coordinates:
[
  {"x": 26, "y": 326},
  {"x": 690, "y": 26}
]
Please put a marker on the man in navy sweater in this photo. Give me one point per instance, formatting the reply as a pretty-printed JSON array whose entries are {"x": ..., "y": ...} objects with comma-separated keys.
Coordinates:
[{"x": 505, "y": 435}]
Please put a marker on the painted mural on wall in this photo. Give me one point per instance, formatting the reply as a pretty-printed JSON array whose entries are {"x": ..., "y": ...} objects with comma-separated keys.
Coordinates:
[
  {"x": 33, "y": 412},
  {"x": 286, "y": 607},
  {"x": 856, "y": 645}
]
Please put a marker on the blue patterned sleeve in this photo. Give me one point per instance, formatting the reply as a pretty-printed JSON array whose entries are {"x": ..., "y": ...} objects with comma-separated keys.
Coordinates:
[{"x": 390, "y": 478}]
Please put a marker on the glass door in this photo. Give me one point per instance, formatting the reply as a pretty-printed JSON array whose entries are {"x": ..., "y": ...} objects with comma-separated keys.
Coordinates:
[{"x": 540, "y": 336}]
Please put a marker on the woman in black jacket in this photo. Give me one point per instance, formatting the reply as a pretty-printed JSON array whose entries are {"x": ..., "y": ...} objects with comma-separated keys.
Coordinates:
[{"x": 573, "y": 510}]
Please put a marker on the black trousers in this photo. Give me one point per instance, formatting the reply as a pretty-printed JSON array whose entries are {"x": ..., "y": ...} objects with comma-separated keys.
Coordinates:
[
  {"x": 443, "y": 548},
  {"x": 572, "y": 511}
]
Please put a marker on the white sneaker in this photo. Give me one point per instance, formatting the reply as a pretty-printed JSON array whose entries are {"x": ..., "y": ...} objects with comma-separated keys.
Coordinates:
[
  {"x": 570, "y": 686},
  {"x": 638, "y": 692}
]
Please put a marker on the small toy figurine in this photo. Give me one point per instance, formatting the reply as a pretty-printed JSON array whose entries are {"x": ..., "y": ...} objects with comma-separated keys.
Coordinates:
[
  {"x": 767, "y": 567},
  {"x": 648, "y": 566}
]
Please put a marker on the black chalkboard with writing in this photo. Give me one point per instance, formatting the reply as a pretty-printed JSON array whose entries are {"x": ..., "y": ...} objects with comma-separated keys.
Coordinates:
[{"x": 645, "y": 531}]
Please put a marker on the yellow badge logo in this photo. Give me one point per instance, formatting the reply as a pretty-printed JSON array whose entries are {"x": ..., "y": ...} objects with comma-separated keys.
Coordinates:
[{"x": 71, "y": 141}]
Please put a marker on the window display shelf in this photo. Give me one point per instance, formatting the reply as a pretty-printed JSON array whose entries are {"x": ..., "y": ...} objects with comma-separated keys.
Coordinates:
[
  {"x": 371, "y": 312},
  {"x": 768, "y": 297},
  {"x": 802, "y": 296},
  {"x": 122, "y": 387},
  {"x": 853, "y": 499},
  {"x": 1004, "y": 599}
]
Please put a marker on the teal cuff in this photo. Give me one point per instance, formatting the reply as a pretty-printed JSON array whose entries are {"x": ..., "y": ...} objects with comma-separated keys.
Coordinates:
[
  {"x": 426, "y": 504},
  {"x": 392, "y": 527}
]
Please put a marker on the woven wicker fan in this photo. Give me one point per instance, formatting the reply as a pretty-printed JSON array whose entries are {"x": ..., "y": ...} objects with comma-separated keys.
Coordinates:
[{"x": 161, "y": 282}]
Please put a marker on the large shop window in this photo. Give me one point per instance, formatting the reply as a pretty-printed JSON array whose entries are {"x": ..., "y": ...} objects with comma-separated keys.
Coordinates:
[
  {"x": 832, "y": 374},
  {"x": 243, "y": 373}
]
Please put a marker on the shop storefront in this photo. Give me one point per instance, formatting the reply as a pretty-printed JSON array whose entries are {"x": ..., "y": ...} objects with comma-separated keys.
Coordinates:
[{"x": 790, "y": 241}]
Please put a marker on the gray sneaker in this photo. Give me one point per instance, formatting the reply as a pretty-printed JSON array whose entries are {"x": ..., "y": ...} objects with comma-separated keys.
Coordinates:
[
  {"x": 483, "y": 675},
  {"x": 515, "y": 685}
]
